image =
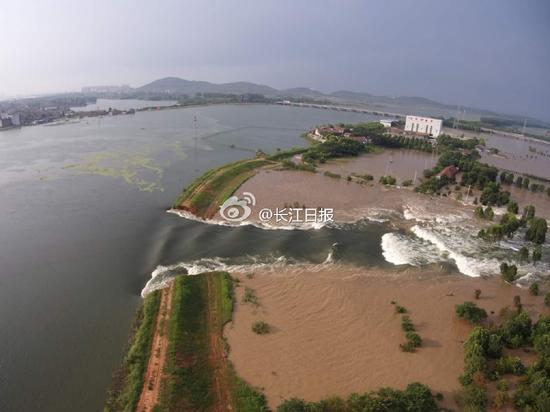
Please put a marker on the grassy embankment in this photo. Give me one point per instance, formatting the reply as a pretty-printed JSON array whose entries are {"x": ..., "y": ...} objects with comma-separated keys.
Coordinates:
[
  {"x": 209, "y": 191},
  {"x": 198, "y": 375},
  {"x": 128, "y": 379},
  {"x": 204, "y": 196}
]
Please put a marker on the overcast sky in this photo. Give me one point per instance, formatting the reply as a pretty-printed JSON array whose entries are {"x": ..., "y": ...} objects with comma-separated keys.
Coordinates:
[{"x": 491, "y": 54}]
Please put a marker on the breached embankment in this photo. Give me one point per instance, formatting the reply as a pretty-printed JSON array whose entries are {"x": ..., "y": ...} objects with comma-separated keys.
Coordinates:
[{"x": 421, "y": 229}]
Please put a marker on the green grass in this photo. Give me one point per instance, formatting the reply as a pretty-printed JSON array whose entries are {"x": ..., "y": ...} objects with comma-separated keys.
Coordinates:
[
  {"x": 189, "y": 384},
  {"x": 128, "y": 380},
  {"x": 285, "y": 154},
  {"x": 246, "y": 398},
  {"x": 189, "y": 376},
  {"x": 218, "y": 184}
]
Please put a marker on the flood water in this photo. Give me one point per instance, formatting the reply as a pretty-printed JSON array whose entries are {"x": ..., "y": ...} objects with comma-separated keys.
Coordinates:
[{"x": 83, "y": 225}]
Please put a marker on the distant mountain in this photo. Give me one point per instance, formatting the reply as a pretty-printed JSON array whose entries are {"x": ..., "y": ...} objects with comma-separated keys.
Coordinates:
[
  {"x": 302, "y": 92},
  {"x": 400, "y": 100},
  {"x": 175, "y": 85}
]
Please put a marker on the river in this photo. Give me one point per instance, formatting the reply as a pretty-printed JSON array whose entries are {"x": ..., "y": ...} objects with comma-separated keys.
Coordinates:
[{"x": 83, "y": 225}]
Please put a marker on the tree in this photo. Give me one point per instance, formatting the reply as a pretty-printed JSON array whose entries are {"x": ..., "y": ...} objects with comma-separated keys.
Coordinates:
[
  {"x": 537, "y": 253},
  {"x": 512, "y": 207},
  {"x": 470, "y": 312},
  {"x": 491, "y": 195},
  {"x": 516, "y": 330},
  {"x": 477, "y": 293},
  {"x": 537, "y": 230},
  {"x": 529, "y": 212},
  {"x": 524, "y": 253},
  {"x": 508, "y": 272},
  {"x": 478, "y": 211},
  {"x": 534, "y": 289},
  {"x": 509, "y": 223},
  {"x": 519, "y": 181},
  {"x": 547, "y": 298}
]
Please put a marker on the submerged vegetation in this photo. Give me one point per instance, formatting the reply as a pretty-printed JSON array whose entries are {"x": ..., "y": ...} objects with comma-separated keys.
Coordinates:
[
  {"x": 470, "y": 312},
  {"x": 485, "y": 361},
  {"x": 415, "y": 398},
  {"x": 261, "y": 328},
  {"x": 413, "y": 339}
]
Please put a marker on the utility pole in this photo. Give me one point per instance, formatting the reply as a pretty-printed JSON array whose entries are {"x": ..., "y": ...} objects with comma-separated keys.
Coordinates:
[{"x": 195, "y": 154}]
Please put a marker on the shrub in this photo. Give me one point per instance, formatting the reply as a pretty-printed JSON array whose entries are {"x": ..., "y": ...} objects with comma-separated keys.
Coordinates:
[
  {"x": 477, "y": 293},
  {"x": 537, "y": 253},
  {"x": 547, "y": 298},
  {"x": 250, "y": 296},
  {"x": 414, "y": 339},
  {"x": 406, "y": 324},
  {"x": 534, "y": 289},
  {"x": 415, "y": 398},
  {"x": 261, "y": 328},
  {"x": 523, "y": 253},
  {"x": 407, "y": 347},
  {"x": 388, "y": 180},
  {"x": 537, "y": 230},
  {"x": 516, "y": 330},
  {"x": 470, "y": 312},
  {"x": 400, "y": 309},
  {"x": 512, "y": 207},
  {"x": 509, "y": 272},
  {"x": 473, "y": 398},
  {"x": 510, "y": 364}
]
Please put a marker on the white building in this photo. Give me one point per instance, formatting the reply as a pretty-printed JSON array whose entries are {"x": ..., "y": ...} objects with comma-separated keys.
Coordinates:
[{"x": 424, "y": 125}]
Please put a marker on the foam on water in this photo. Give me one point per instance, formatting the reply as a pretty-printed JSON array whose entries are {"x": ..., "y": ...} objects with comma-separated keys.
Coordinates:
[
  {"x": 453, "y": 238},
  {"x": 163, "y": 275},
  {"x": 261, "y": 225}
]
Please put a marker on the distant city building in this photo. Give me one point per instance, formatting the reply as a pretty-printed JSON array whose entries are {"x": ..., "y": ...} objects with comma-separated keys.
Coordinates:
[
  {"x": 423, "y": 125},
  {"x": 106, "y": 89},
  {"x": 9, "y": 120},
  {"x": 16, "y": 119}
]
